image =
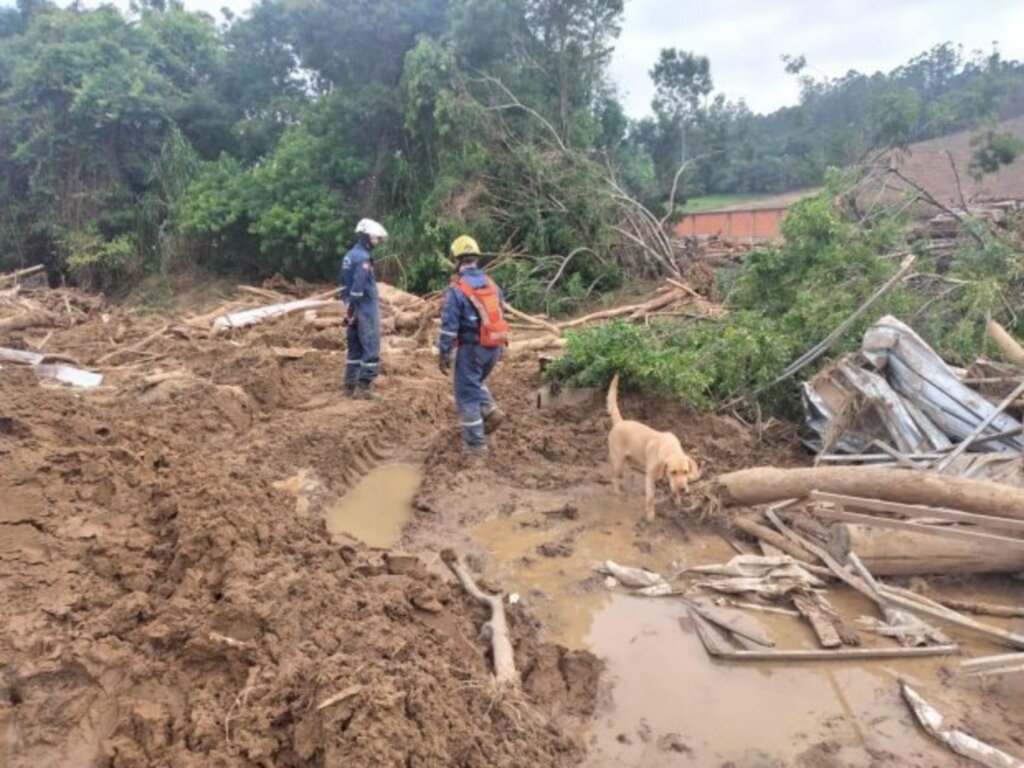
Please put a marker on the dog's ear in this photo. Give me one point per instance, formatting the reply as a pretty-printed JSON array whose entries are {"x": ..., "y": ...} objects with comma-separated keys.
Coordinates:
[
  {"x": 661, "y": 470},
  {"x": 694, "y": 470}
]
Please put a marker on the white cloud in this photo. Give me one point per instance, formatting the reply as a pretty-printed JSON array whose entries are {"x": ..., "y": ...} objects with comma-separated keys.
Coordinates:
[{"x": 746, "y": 38}]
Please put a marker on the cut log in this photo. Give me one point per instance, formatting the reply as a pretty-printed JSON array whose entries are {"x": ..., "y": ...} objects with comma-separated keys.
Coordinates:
[
  {"x": 888, "y": 552},
  {"x": 763, "y": 485},
  {"x": 33, "y": 319},
  {"x": 1009, "y": 345},
  {"x": 262, "y": 314},
  {"x": 543, "y": 343},
  {"x": 959, "y": 532}
]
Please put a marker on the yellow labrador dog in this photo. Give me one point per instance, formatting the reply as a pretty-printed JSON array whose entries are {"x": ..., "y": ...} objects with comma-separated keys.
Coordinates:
[{"x": 658, "y": 453}]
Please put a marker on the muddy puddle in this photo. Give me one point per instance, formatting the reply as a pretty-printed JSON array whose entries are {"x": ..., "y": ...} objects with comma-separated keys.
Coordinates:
[
  {"x": 378, "y": 506},
  {"x": 667, "y": 702}
]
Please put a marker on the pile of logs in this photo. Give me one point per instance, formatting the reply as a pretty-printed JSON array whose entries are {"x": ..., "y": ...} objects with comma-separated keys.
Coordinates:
[
  {"x": 26, "y": 302},
  {"x": 940, "y": 234}
]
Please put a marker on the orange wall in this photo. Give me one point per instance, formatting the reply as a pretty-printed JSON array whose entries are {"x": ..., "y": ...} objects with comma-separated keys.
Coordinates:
[{"x": 733, "y": 225}]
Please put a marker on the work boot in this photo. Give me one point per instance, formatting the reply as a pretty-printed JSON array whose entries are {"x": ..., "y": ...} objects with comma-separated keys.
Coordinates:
[
  {"x": 493, "y": 419},
  {"x": 474, "y": 450},
  {"x": 364, "y": 391},
  {"x": 348, "y": 390}
]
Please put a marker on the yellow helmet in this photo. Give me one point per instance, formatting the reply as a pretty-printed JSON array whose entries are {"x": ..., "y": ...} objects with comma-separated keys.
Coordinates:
[{"x": 463, "y": 246}]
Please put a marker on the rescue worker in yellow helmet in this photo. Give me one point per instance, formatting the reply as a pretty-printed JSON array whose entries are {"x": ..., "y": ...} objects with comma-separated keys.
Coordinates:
[{"x": 473, "y": 325}]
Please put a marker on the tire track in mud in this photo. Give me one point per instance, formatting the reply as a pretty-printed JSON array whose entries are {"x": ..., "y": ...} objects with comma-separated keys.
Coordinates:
[{"x": 173, "y": 601}]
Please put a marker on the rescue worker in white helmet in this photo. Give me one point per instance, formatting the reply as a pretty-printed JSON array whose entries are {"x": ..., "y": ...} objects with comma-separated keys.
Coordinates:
[
  {"x": 358, "y": 289},
  {"x": 473, "y": 325}
]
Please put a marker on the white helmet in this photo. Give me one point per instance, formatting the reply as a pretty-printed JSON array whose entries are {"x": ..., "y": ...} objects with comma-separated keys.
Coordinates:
[{"x": 371, "y": 228}]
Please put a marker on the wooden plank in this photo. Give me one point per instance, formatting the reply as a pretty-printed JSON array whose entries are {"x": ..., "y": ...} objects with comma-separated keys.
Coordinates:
[
  {"x": 993, "y": 661},
  {"x": 921, "y": 604},
  {"x": 900, "y": 597},
  {"x": 836, "y": 654},
  {"x": 977, "y": 432},
  {"x": 943, "y": 531},
  {"x": 920, "y": 510},
  {"x": 820, "y": 623}
]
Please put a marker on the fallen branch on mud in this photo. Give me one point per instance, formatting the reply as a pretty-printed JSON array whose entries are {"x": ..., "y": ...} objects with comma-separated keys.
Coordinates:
[
  {"x": 348, "y": 693},
  {"x": 230, "y": 642},
  {"x": 501, "y": 643}
]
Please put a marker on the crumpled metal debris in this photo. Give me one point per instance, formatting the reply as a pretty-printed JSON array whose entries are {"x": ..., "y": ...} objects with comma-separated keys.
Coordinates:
[{"x": 912, "y": 400}]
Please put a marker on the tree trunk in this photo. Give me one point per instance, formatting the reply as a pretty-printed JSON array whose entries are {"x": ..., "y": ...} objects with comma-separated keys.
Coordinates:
[
  {"x": 888, "y": 552},
  {"x": 763, "y": 485}
]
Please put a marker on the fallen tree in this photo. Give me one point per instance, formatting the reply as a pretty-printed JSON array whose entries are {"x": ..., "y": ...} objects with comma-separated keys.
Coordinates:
[{"x": 764, "y": 485}]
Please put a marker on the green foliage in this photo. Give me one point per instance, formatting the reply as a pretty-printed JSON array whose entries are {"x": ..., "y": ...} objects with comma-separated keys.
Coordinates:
[
  {"x": 837, "y": 121},
  {"x": 991, "y": 150},
  {"x": 786, "y": 299},
  {"x": 129, "y": 143}
]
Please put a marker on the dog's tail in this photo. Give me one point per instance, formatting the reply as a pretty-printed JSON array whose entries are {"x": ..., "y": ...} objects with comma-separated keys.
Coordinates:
[{"x": 613, "y": 400}]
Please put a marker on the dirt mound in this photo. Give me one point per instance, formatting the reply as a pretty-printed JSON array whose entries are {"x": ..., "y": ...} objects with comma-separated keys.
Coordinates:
[{"x": 166, "y": 604}]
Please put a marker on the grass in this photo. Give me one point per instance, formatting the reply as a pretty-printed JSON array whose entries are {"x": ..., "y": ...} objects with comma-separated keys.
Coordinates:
[{"x": 710, "y": 202}]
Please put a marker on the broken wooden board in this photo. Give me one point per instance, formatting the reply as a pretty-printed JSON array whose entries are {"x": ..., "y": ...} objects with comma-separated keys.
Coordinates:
[{"x": 959, "y": 741}]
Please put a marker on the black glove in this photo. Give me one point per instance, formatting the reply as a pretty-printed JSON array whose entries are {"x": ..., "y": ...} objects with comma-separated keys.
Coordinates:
[
  {"x": 444, "y": 363},
  {"x": 349, "y": 320}
]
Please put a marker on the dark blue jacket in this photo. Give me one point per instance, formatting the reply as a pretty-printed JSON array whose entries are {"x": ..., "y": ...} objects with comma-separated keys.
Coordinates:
[
  {"x": 459, "y": 319},
  {"x": 358, "y": 285}
]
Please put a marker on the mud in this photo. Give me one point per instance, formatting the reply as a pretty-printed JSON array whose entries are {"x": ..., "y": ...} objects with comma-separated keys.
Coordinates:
[
  {"x": 376, "y": 510},
  {"x": 172, "y": 592}
]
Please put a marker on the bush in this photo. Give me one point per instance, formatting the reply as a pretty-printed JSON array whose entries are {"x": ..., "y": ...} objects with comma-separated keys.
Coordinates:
[{"x": 786, "y": 299}]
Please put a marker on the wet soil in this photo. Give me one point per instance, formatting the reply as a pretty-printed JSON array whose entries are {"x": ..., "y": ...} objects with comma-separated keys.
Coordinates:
[{"x": 192, "y": 564}]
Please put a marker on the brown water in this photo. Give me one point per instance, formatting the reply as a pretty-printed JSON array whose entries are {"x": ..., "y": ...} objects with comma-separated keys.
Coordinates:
[
  {"x": 669, "y": 703},
  {"x": 378, "y": 507}
]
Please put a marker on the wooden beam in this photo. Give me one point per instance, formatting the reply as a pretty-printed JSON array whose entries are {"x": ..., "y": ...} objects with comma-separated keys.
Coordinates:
[
  {"x": 920, "y": 510},
  {"x": 921, "y": 604},
  {"x": 942, "y": 531}
]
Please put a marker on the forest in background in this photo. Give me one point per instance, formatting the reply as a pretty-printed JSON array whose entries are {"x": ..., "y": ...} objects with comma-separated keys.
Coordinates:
[{"x": 139, "y": 142}]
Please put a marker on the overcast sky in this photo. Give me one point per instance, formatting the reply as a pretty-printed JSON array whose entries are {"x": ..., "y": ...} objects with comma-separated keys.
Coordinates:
[{"x": 745, "y": 38}]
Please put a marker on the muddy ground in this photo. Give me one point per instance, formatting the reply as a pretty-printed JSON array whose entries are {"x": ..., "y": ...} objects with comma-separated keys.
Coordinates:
[{"x": 172, "y": 593}]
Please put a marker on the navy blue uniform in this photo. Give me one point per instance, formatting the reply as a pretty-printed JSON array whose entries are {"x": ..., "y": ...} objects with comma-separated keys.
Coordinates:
[
  {"x": 359, "y": 290},
  {"x": 460, "y": 324}
]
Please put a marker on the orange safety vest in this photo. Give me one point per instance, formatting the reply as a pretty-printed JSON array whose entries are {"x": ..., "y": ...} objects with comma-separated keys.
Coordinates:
[{"x": 493, "y": 326}]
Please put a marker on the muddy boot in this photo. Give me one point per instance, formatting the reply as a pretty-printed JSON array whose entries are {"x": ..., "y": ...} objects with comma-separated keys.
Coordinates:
[
  {"x": 474, "y": 450},
  {"x": 493, "y": 419},
  {"x": 365, "y": 391},
  {"x": 348, "y": 390}
]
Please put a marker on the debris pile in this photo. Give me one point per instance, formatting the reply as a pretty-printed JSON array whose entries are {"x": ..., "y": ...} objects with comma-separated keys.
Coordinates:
[
  {"x": 939, "y": 235},
  {"x": 898, "y": 402}
]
